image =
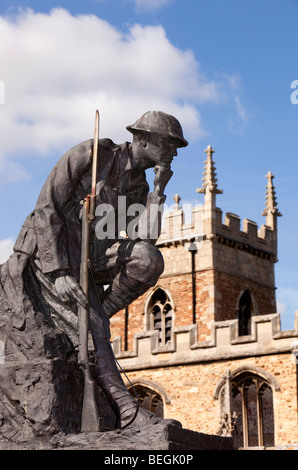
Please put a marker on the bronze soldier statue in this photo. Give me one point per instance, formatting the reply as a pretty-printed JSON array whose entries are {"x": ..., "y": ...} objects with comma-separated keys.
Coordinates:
[{"x": 49, "y": 244}]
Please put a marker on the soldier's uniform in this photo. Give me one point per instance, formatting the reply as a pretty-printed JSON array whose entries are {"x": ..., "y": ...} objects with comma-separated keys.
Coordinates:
[
  {"x": 50, "y": 242},
  {"x": 51, "y": 235}
]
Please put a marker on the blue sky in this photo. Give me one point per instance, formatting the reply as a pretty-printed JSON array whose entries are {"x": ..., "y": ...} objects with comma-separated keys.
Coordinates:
[{"x": 224, "y": 68}]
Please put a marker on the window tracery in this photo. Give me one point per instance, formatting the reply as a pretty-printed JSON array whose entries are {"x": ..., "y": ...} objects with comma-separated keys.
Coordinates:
[
  {"x": 247, "y": 411},
  {"x": 160, "y": 311}
]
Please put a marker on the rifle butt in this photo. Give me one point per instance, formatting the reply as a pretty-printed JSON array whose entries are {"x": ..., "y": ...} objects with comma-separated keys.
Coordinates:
[{"x": 90, "y": 418}]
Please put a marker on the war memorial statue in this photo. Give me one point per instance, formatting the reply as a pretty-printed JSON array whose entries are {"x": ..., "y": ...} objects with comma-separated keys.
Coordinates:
[
  {"x": 81, "y": 256},
  {"x": 41, "y": 291}
]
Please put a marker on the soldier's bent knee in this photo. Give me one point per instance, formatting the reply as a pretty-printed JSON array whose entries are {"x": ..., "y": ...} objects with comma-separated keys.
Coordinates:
[{"x": 149, "y": 260}]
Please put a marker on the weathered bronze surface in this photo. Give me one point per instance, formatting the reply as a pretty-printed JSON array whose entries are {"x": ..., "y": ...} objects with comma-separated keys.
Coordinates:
[{"x": 41, "y": 391}]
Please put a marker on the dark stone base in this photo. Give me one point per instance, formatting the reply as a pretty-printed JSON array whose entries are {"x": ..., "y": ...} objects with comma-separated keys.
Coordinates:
[
  {"x": 42, "y": 401},
  {"x": 155, "y": 437},
  {"x": 39, "y": 399},
  {"x": 162, "y": 436}
]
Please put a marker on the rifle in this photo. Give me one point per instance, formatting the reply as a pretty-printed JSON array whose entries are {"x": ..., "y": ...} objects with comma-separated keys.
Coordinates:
[{"x": 90, "y": 419}]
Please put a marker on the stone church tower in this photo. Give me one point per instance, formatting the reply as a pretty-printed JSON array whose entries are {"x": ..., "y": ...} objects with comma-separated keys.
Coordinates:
[
  {"x": 239, "y": 264},
  {"x": 208, "y": 331}
]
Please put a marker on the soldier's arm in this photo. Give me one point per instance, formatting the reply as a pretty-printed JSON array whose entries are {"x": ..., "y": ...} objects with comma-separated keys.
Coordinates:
[
  {"x": 150, "y": 222},
  {"x": 50, "y": 228},
  {"x": 163, "y": 174}
]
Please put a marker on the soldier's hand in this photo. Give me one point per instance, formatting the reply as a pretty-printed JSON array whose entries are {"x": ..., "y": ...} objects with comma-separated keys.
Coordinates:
[
  {"x": 163, "y": 175},
  {"x": 69, "y": 290}
]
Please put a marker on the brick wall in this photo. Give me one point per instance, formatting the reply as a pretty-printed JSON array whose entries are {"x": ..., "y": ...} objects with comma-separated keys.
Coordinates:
[
  {"x": 191, "y": 389},
  {"x": 228, "y": 290},
  {"x": 217, "y": 297},
  {"x": 180, "y": 289}
]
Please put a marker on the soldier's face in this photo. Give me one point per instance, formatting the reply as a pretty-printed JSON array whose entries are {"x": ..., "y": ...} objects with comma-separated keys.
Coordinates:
[{"x": 161, "y": 150}]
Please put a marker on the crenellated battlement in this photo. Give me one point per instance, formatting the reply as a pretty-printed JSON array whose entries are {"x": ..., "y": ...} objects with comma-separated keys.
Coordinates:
[
  {"x": 207, "y": 220},
  {"x": 229, "y": 232},
  {"x": 259, "y": 241},
  {"x": 185, "y": 348}
]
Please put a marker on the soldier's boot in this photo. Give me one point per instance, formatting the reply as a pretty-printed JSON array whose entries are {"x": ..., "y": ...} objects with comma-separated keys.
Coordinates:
[
  {"x": 123, "y": 403},
  {"x": 139, "y": 274}
]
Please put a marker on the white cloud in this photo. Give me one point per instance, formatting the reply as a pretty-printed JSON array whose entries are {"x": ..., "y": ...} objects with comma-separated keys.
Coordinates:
[
  {"x": 239, "y": 118},
  {"x": 287, "y": 304},
  {"x": 58, "y": 68},
  {"x": 240, "y": 110},
  {"x": 2, "y": 92},
  {"x": 6, "y": 249},
  {"x": 11, "y": 172},
  {"x": 151, "y": 4}
]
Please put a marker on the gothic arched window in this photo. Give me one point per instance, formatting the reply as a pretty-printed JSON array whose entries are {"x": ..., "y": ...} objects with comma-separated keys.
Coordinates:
[
  {"x": 149, "y": 399},
  {"x": 253, "y": 401},
  {"x": 247, "y": 410},
  {"x": 245, "y": 310},
  {"x": 160, "y": 311}
]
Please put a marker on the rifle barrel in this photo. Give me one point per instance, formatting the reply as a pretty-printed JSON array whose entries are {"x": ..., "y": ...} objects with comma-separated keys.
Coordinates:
[
  {"x": 95, "y": 151},
  {"x": 90, "y": 420}
]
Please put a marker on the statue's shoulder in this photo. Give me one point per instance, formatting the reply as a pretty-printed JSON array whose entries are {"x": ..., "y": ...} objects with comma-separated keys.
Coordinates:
[
  {"x": 108, "y": 144},
  {"x": 87, "y": 145},
  {"x": 80, "y": 156},
  {"x": 78, "y": 151},
  {"x": 82, "y": 147}
]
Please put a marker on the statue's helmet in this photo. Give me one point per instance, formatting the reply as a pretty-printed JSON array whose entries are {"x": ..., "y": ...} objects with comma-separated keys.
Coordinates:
[{"x": 158, "y": 122}]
